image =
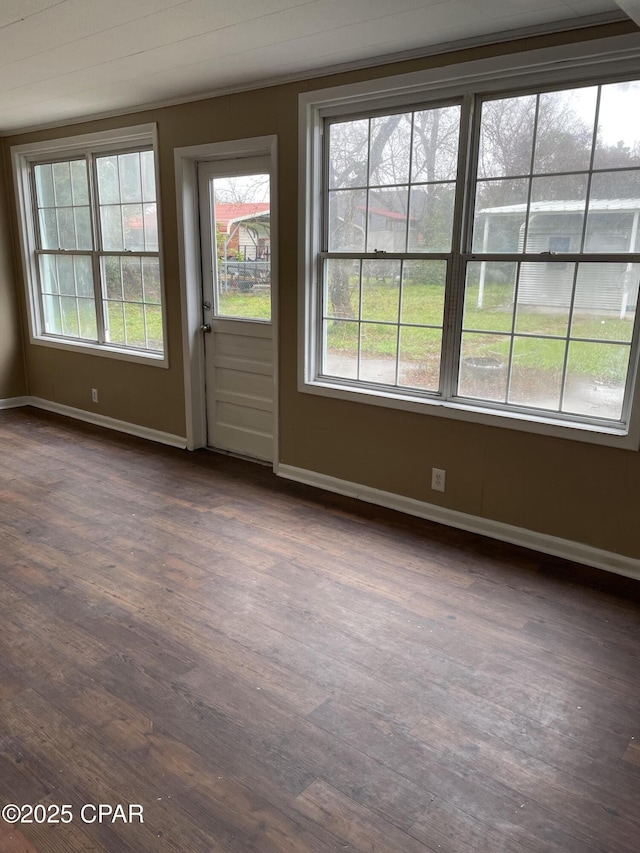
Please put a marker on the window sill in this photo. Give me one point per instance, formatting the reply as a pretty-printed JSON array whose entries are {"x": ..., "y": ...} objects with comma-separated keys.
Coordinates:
[
  {"x": 103, "y": 351},
  {"x": 608, "y": 436}
]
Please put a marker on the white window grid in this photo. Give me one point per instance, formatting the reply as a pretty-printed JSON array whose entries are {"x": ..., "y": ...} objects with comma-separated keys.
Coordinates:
[
  {"x": 107, "y": 143},
  {"x": 98, "y": 255},
  {"x": 464, "y": 253}
]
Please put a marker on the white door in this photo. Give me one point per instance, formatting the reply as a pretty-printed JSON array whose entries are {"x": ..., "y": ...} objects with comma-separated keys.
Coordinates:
[{"x": 235, "y": 206}]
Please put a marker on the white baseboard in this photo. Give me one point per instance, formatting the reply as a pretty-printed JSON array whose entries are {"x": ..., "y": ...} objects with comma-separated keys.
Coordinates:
[
  {"x": 577, "y": 551},
  {"x": 110, "y": 423},
  {"x": 566, "y": 548},
  {"x": 14, "y": 402}
]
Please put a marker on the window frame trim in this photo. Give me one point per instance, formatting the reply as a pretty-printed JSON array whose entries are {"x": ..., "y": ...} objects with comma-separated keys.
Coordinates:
[
  {"x": 23, "y": 158},
  {"x": 597, "y": 62}
]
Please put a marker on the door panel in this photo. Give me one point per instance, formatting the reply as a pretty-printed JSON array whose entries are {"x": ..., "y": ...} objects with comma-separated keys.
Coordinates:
[
  {"x": 248, "y": 385},
  {"x": 237, "y": 306},
  {"x": 240, "y": 406}
]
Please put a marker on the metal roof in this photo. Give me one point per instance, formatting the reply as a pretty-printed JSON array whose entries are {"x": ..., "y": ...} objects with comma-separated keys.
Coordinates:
[
  {"x": 568, "y": 206},
  {"x": 229, "y": 214}
]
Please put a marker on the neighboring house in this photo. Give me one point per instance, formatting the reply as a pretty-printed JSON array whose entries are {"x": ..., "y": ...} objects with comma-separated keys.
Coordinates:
[
  {"x": 387, "y": 229},
  {"x": 384, "y": 229},
  {"x": 247, "y": 229},
  {"x": 556, "y": 227}
]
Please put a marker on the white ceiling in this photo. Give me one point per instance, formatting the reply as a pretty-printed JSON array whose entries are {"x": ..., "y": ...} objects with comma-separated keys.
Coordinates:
[{"x": 65, "y": 59}]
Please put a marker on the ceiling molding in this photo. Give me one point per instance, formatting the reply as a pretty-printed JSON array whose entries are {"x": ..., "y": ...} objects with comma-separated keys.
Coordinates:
[
  {"x": 502, "y": 37},
  {"x": 631, "y": 8}
]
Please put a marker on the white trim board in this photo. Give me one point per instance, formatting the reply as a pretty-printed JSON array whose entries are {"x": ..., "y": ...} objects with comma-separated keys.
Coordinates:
[
  {"x": 107, "y": 422},
  {"x": 555, "y": 546},
  {"x": 567, "y": 549},
  {"x": 186, "y": 162},
  {"x": 14, "y": 402}
]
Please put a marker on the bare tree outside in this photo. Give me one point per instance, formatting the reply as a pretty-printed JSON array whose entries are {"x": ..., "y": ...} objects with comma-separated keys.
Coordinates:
[
  {"x": 408, "y": 162},
  {"x": 243, "y": 189}
]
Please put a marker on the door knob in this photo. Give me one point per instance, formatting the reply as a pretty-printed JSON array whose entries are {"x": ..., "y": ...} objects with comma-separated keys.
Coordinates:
[{"x": 206, "y": 328}]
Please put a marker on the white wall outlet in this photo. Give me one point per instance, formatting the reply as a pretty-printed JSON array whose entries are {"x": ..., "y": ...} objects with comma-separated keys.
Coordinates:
[
  {"x": 94, "y": 395},
  {"x": 438, "y": 477}
]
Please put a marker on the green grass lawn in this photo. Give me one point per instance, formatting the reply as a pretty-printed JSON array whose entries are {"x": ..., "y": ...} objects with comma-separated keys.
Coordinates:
[
  {"x": 487, "y": 330},
  {"x": 126, "y": 322},
  {"x": 486, "y": 333},
  {"x": 252, "y": 305},
  {"x": 423, "y": 305}
]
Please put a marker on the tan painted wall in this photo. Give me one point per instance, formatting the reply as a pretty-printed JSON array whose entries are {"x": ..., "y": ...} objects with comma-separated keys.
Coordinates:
[
  {"x": 12, "y": 375},
  {"x": 564, "y": 488}
]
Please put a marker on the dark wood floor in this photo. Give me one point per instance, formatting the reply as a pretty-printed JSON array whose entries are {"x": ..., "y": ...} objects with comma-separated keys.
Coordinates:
[{"x": 266, "y": 668}]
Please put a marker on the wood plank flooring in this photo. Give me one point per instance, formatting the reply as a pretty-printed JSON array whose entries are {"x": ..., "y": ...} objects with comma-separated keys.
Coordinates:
[{"x": 268, "y": 668}]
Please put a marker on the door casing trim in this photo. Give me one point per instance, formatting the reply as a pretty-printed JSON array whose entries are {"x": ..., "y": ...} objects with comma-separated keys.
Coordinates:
[{"x": 186, "y": 171}]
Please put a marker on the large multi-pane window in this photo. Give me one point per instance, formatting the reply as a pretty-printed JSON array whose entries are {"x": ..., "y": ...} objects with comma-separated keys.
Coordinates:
[
  {"x": 485, "y": 251},
  {"x": 91, "y": 244}
]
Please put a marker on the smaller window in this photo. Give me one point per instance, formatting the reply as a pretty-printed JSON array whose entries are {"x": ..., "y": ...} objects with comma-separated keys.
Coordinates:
[{"x": 89, "y": 228}]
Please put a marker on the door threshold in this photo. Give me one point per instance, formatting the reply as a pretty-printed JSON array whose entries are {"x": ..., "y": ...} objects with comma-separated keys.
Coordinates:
[{"x": 244, "y": 456}]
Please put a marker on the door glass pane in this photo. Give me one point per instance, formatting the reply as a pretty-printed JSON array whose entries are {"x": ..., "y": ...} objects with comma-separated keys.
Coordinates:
[{"x": 242, "y": 227}]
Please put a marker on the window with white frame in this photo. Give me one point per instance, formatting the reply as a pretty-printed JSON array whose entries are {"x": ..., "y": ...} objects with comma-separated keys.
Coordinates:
[
  {"x": 89, "y": 229},
  {"x": 481, "y": 252}
]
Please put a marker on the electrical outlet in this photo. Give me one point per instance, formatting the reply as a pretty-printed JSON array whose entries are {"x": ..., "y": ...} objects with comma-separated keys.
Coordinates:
[
  {"x": 438, "y": 477},
  {"x": 94, "y": 395}
]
